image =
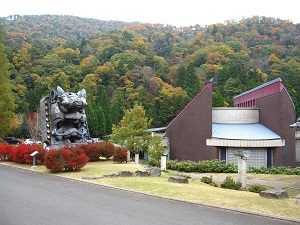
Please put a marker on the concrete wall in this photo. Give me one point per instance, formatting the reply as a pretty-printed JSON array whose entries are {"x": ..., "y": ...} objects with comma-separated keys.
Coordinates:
[
  {"x": 235, "y": 115},
  {"x": 188, "y": 132}
]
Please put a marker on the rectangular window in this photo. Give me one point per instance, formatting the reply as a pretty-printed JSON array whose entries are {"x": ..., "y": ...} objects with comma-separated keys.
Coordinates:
[
  {"x": 269, "y": 157},
  {"x": 222, "y": 153},
  {"x": 257, "y": 158}
]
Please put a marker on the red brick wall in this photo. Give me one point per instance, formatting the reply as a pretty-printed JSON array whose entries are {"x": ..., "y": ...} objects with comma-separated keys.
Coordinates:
[
  {"x": 277, "y": 112},
  {"x": 190, "y": 129}
]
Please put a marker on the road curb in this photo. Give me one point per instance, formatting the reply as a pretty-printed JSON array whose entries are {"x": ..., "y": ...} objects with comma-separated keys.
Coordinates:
[{"x": 160, "y": 197}]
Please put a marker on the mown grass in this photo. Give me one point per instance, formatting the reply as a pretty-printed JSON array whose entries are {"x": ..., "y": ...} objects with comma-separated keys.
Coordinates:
[{"x": 195, "y": 191}]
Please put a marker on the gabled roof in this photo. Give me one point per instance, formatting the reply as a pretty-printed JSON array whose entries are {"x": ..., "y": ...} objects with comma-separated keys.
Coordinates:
[
  {"x": 208, "y": 85},
  {"x": 259, "y": 87}
]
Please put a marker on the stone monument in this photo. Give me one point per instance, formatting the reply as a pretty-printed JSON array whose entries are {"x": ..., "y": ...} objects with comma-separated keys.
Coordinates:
[
  {"x": 242, "y": 155},
  {"x": 296, "y": 126},
  {"x": 63, "y": 118}
]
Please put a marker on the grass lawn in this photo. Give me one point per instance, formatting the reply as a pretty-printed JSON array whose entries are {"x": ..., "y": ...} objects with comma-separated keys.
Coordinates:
[{"x": 195, "y": 191}]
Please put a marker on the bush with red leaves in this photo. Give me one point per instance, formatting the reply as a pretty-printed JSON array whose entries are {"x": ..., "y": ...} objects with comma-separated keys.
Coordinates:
[
  {"x": 107, "y": 149},
  {"x": 95, "y": 150},
  {"x": 65, "y": 159},
  {"x": 21, "y": 154},
  {"x": 6, "y": 152},
  {"x": 77, "y": 160},
  {"x": 120, "y": 155},
  {"x": 92, "y": 151}
]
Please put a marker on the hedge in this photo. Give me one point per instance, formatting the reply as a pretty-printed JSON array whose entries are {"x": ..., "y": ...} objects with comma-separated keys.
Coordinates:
[
  {"x": 275, "y": 170},
  {"x": 100, "y": 149},
  {"x": 120, "y": 154},
  {"x": 6, "y": 152},
  {"x": 216, "y": 166},
  {"x": 21, "y": 153},
  {"x": 206, "y": 166},
  {"x": 65, "y": 159}
]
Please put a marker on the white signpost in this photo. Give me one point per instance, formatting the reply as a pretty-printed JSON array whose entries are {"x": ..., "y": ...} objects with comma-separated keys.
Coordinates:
[{"x": 33, "y": 159}]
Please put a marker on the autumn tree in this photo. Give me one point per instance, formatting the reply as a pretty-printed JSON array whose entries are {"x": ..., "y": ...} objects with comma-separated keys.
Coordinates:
[
  {"x": 132, "y": 132},
  {"x": 32, "y": 125},
  {"x": 6, "y": 94}
]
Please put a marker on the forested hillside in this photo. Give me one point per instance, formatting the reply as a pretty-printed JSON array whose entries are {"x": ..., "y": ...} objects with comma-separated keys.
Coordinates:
[{"x": 159, "y": 67}]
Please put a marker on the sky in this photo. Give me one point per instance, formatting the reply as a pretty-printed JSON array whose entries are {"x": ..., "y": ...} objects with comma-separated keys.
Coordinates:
[{"x": 172, "y": 12}]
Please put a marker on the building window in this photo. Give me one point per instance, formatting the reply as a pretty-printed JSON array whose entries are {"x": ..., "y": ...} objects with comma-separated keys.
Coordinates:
[
  {"x": 222, "y": 154},
  {"x": 258, "y": 157}
]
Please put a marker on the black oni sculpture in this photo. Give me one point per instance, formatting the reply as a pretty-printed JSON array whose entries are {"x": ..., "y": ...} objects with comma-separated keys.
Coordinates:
[{"x": 63, "y": 118}]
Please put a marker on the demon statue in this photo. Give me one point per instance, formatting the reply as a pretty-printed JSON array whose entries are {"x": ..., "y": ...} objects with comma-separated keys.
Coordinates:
[{"x": 63, "y": 118}]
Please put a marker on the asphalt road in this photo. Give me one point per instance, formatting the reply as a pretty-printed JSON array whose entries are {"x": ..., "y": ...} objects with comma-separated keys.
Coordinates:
[{"x": 29, "y": 198}]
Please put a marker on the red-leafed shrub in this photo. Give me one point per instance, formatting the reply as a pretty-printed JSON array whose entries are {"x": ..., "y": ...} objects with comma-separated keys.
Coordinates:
[
  {"x": 92, "y": 151},
  {"x": 95, "y": 150},
  {"x": 6, "y": 152},
  {"x": 30, "y": 149},
  {"x": 21, "y": 154},
  {"x": 56, "y": 160},
  {"x": 65, "y": 159},
  {"x": 77, "y": 160},
  {"x": 18, "y": 155},
  {"x": 120, "y": 155},
  {"x": 107, "y": 149}
]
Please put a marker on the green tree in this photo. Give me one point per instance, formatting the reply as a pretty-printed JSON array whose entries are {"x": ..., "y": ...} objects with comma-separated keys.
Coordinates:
[
  {"x": 132, "y": 130},
  {"x": 6, "y": 94},
  {"x": 92, "y": 121},
  {"x": 156, "y": 148},
  {"x": 188, "y": 80},
  {"x": 117, "y": 106},
  {"x": 101, "y": 121},
  {"x": 217, "y": 99},
  {"x": 105, "y": 105}
]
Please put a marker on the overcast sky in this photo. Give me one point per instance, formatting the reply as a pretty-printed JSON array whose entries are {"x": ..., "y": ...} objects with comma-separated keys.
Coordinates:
[{"x": 174, "y": 12}]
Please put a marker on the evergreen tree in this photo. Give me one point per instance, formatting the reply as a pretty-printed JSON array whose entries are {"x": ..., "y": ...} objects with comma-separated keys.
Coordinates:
[
  {"x": 6, "y": 94},
  {"x": 105, "y": 105},
  {"x": 188, "y": 80},
  {"x": 101, "y": 122},
  {"x": 192, "y": 85},
  {"x": 92, "y": 121},
  {"x": 117, "y": 106}
]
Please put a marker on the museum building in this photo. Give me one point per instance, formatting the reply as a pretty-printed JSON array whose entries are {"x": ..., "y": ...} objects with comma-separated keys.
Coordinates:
[{"x": 259, "y": 122}]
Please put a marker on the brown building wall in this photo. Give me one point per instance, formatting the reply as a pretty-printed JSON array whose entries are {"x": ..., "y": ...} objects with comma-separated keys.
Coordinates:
[
  {"x": 190, "y": 129},
  {"x": 277, "y": 112}
]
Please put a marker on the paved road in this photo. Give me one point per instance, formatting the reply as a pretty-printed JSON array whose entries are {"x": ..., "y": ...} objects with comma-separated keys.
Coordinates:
[{"x": 29, "y": 198}]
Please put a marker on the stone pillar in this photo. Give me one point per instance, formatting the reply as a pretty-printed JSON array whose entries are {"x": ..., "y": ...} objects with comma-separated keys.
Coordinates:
[
  {"x": 136, "y": 158},
  {"x": 242, "y": 171},
  {"x": 128, "y": 156},
  {"x": 163, "y": 162}
]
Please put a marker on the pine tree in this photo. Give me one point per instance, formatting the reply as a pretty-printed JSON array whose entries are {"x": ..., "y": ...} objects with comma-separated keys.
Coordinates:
[
  {"x": 105, "y": 105},
  {"x": 117, "y": 107},
  {"x": 101, "y": 122},
  {"x": 187, "y": 80},
  {"x": 6, "y": 94},
  {"x": 192, "y": 85},
  {"x": 92, "y": 121}
]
